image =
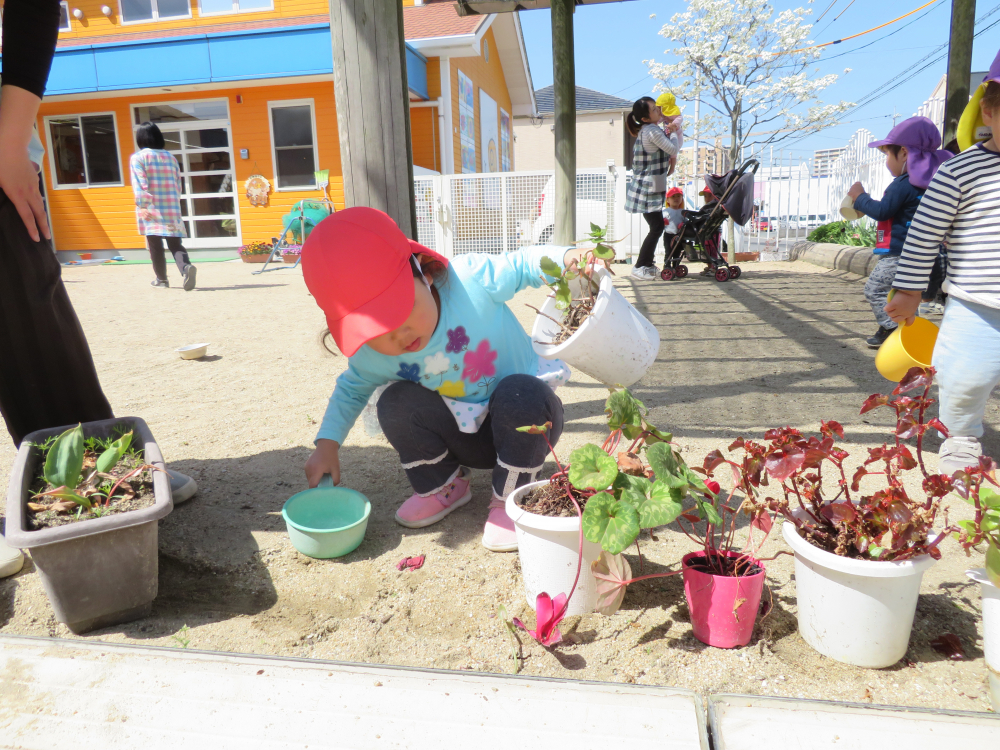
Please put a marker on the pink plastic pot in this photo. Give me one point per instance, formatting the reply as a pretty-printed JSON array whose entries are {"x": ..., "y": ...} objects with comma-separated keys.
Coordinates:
[{"x": 718, "y": 615}]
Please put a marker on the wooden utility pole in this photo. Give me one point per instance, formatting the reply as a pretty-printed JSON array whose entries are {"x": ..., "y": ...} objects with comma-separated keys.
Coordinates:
[
  {"x": 963, "y": 21},
  {"x": 564, "y": 88},
  {"x": 369, "y": 82}
]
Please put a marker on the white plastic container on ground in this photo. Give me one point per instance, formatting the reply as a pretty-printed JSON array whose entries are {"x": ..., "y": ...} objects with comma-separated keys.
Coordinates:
[
  {"x": 856, "y": 611},
  {"x": 991, "y": 631},
  {"x": 549, "y": 552},
  {"x": 615, "y": 345},
  {"x": 747, "y": 722},
  {"x": 104, "y": 696}
]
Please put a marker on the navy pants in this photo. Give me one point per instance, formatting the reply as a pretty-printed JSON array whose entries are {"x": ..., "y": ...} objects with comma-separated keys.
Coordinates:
[
  {"x": 432, "y": 449},
  {"x": 47, "y": 376}
]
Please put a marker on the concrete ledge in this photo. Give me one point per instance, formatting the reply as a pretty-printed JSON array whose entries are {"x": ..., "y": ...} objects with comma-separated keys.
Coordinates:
[{"x": 856, "y": 260}]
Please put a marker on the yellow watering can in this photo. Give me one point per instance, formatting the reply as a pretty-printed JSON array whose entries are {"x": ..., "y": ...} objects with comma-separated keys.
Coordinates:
[{"x": 907, "y": 347}]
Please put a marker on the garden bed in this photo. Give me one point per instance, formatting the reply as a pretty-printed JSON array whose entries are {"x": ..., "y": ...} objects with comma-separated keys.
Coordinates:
[{"x": 230, "y": 581}]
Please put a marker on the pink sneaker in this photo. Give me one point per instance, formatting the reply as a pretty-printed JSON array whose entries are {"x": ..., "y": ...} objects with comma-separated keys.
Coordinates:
[
  {"x": 420, "y": 511},
  {"x": 499, "y": 534}
]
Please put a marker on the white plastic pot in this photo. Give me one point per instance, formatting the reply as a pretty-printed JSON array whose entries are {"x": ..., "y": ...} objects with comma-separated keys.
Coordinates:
[
  {"x": 856, "y": 611},
  {"x": 549, "y": 550},
  {"x": 615, "y": 345},
  {"x": 991, "y": 631}
]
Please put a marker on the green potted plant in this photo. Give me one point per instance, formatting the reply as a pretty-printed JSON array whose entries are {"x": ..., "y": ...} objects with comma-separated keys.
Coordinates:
[
  {"x": 86, "y": 502},
  {"x": 255, "y": 252}
]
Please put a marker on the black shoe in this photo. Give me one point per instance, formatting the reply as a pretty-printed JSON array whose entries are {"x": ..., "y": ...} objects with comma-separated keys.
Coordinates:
[
  {"x": 874, "y": 342},
  {"x": 160, "y": 283}
]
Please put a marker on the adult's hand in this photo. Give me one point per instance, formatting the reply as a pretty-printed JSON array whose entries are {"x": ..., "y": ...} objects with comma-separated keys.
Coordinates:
[{"x": 18, "y": 175}]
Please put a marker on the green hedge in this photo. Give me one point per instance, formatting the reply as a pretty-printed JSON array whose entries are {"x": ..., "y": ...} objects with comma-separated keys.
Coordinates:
[{"x": 844, "y": 233}]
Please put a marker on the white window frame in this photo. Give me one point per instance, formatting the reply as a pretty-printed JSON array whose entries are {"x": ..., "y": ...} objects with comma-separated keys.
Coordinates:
[
  {"x": 86, "y": 169},
  {"x": 156, "y": 15},
  {"x": 69, "y": 23},
  {"x": 235, "y": 9},
  {"x": 274, "y": 150}
]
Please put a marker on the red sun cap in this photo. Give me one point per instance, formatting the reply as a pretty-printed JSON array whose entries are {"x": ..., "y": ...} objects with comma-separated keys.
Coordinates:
[
  {"x": 674, "y": 191},
  {"x": 356, "y": 264}
]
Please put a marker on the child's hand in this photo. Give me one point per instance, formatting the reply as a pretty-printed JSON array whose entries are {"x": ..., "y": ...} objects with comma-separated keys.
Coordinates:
[
  {"x": 572, "y": 258},
  {"x": 324, "y": 460},
  {"x": 856, "y": 190},
  {"x": 902, "y": 306}
]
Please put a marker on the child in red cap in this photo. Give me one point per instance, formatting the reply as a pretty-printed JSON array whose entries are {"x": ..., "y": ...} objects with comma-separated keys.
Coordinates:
[
  {"x": 460, "y": 371},
  {"x": 672, "y": 219}
]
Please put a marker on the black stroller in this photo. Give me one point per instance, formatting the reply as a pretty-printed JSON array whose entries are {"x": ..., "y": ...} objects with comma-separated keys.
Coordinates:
[{"x": 698, "y": 240}]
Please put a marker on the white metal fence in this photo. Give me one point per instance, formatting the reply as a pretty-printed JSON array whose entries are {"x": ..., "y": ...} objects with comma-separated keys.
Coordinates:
[{"x": 500, "y": 212}]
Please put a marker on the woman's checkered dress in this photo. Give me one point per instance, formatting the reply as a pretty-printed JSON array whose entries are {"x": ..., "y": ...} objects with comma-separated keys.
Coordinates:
[
  {"x": 156, "y": 182},
  {"x": 640, "y": 195}
]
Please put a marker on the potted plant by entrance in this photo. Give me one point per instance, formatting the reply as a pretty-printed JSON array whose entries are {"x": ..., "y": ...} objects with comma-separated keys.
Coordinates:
[
  {"x": 255, "y": 252},
  {"x": 612, "y": 501},
  {"x": 291, "y": 253},
  {"x": 859, "y": 559},
  {"x": 589, "y": 324},
  {"x": 85, "y": 502}
]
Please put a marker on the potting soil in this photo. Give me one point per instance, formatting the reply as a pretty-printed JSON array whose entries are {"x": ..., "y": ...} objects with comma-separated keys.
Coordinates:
[
  {"x": 575, "y": 317},
  {"x": 550, "y": 500},
  {"x": 141, "y": 484}
]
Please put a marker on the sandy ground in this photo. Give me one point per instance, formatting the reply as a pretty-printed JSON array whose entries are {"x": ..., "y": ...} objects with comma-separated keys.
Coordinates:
[{"x": 783, "y": 346}]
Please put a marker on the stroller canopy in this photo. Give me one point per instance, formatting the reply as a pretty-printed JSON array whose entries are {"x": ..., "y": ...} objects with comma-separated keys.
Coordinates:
[{"x": 735, "y": 191}]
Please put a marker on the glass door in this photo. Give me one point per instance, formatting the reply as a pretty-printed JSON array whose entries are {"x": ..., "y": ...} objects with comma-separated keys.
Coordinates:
[{"x": 202, "y": 146}]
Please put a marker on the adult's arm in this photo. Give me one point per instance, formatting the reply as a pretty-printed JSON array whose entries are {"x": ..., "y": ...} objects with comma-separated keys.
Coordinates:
[
  {"x": 30, "y": 30},
  {"x": 654, "y": 138}
]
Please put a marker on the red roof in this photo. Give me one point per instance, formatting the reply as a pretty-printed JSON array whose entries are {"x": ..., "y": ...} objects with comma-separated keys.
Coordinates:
[{"x": 437, "y": 19}]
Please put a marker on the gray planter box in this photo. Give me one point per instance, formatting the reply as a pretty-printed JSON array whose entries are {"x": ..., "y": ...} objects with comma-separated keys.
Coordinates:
[{"x": 102, "y": 571}]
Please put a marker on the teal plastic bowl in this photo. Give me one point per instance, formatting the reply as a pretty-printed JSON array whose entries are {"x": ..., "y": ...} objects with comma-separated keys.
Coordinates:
[{"x": 326, "y": 521}]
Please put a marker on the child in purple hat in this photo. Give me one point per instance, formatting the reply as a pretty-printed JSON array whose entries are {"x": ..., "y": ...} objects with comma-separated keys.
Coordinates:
[
  {"x": 961, "y": 206},
  {"x": 912, "y": 154}
]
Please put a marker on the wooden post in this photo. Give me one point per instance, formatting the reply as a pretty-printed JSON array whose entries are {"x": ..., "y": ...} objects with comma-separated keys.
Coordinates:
[
  {"x": 963, "y": 21},
  {"x": 373, "y": 113},
  {"x": 564, "y": 88}
]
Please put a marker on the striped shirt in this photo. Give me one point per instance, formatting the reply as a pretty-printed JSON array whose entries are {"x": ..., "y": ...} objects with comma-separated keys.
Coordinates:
[
  {"x": 156, "y": 182},
  {"x": 962, "y": 209}
]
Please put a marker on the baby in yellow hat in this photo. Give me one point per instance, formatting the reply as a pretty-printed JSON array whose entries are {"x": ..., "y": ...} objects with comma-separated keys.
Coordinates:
[{"x": 672, "y": 120}]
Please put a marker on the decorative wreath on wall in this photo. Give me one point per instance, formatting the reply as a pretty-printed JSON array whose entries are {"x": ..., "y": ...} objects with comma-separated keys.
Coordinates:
[{"x": 257, "y": 188}]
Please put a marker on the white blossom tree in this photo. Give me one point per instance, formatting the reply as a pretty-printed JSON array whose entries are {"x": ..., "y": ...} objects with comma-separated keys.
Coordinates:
[{"x": 750, "y": 69}]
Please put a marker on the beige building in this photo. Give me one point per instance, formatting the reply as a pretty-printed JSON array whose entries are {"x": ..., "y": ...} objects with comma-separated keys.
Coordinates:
[{"x": 600, "y": 131}]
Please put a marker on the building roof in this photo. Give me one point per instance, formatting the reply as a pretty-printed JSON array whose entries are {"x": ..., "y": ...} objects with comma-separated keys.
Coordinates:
[
  {"x": 433, "y": 20},
  {"x": 587, "y": 100}
]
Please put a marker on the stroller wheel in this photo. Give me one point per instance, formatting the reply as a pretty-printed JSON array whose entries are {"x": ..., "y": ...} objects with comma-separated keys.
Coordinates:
[
  {"x": 735, "y": 272},
  {"x": 681, "y": 272},
  {"x": 722, "y": 274},
  {"x": 666, "y": 274}
]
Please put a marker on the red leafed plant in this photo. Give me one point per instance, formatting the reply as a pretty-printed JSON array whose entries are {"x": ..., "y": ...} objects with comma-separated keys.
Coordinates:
[{"x": 886, "y": 525}]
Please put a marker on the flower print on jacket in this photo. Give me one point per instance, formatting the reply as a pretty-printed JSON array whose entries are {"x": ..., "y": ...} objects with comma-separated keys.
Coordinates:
[
  {"x": 479, "y": 363},
  {"x": 458, "y": 340},
  {"x": 409, "y": 372},
  {"x": 451, "y": 389},
  {"x": 436, "y": 364}
]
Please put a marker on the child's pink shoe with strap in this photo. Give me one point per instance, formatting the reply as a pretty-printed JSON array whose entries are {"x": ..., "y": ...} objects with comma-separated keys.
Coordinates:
[{"x": 423, "y": 510}]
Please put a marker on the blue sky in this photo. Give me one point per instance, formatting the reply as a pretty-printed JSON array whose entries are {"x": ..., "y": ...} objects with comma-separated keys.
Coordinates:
[{"x": 613, "y": 39}]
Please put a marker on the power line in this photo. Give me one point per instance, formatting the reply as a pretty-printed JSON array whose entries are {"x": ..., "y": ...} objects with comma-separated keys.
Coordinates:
[{"x": 862, "y": 33}]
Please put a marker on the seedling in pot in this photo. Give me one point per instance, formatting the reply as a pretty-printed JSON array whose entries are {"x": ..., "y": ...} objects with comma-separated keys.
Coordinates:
[
  {"x": 576, "y": 310},
  {"x": 86, "y": 474},
  {"x": 617, "y": 498},
  {"x": 886, "y": 525}
]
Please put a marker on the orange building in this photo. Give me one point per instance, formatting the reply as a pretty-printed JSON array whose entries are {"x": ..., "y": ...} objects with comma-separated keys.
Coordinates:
[{"x": 245, "y": 87}]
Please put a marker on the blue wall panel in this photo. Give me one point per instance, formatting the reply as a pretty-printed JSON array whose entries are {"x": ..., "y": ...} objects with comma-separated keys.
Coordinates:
[
  {"x": 277, "y": 54},
  {"x": 234, "y": 56},
  {"x": 159, "y": 64},
  {"x": 416, "y": 72},
  {"x": 73, "y": 72}
]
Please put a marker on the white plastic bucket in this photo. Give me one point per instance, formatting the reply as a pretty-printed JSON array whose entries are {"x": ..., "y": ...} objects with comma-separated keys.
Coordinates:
[
  {"x": 856, "y": 611},
  {"x": 991, "y": 631},
  {"x": 549, "y": 550},
  {"x": 615, "y": 345}
]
